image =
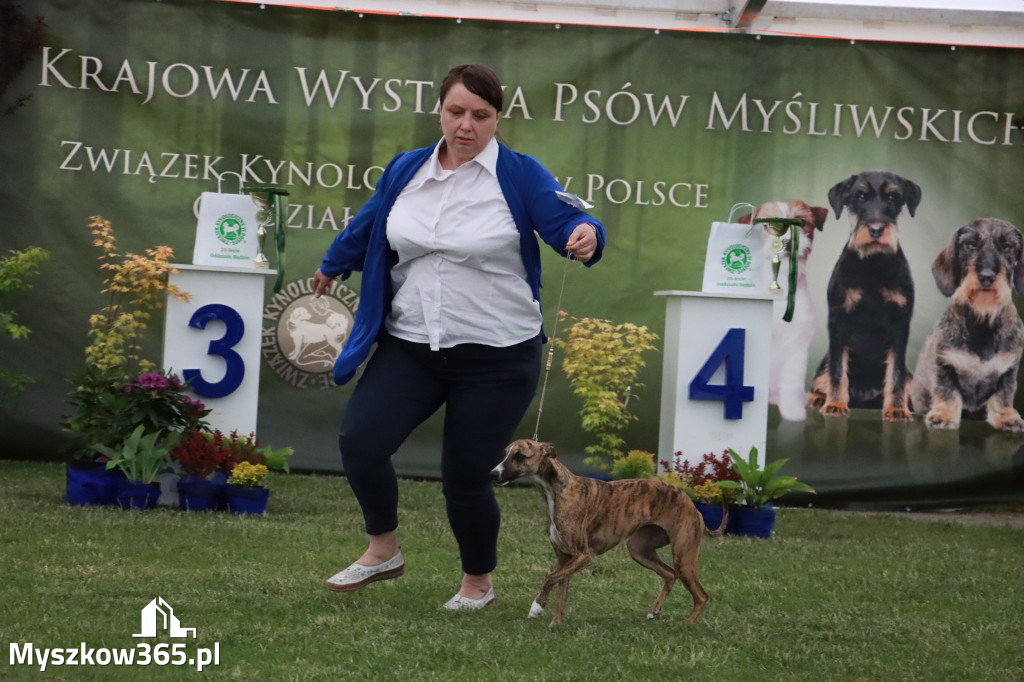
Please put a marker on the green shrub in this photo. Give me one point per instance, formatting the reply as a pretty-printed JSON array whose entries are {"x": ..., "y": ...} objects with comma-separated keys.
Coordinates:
[{"x": 636, "y": 464}]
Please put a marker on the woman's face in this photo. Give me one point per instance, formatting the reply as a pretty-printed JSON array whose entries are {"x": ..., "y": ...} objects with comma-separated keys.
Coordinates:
[{"x": 468, "y": 123}]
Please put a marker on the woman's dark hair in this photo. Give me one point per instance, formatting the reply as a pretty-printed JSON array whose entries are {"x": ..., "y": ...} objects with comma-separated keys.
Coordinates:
[{"x": 479, "y": 79}]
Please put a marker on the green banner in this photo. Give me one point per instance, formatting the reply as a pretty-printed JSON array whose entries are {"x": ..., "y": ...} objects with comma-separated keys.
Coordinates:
[{"x": 131, "y": 110}]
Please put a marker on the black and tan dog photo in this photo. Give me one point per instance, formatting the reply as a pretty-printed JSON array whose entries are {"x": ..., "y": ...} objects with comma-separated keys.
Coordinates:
[
  {"x": 870, "y": 302},
  {"x": 969, "y": 362}
]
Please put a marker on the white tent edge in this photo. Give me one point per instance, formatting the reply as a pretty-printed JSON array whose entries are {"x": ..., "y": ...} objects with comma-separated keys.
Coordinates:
[{"x": 992, "y": 23}]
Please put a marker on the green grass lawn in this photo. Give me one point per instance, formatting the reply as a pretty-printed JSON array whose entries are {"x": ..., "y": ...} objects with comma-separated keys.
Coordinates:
[{"x": 833, "y": 596}]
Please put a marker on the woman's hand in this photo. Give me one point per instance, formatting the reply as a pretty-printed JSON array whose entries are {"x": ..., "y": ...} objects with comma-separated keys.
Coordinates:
[
  {"x": 321, "y": 283},
  {"x": 582, "y": 242}
]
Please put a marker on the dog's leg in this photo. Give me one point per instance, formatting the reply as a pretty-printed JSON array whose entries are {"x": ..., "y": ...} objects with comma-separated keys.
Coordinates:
[
  {"x": 643, "y": 546},
  {"x": 999, "y": 412},
  {"x": 541, "y": 600},
  {"x": 945, "y": 411},
  {"x": 894, "y": 403},
  {"x": 792, "y": 396},
  {"x": 684, "y": 555},
  {"x": 838, "y": 403},
  {"x": 560, "y": 602},
  {"x": 566, "y": 569},
  {"x": 819, "y": 387}
]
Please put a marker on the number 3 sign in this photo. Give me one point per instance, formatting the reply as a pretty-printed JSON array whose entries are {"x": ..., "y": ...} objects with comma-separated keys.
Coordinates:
[
  {"x": 717, "y": 359},
  {"x": 213, "y": 340}
]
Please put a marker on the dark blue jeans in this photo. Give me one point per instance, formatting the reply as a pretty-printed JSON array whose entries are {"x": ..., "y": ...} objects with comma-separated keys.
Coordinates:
[{"x": 485, "y": 392}]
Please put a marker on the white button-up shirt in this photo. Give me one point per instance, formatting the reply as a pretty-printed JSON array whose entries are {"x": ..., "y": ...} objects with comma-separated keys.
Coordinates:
[{"x": 460, "y": 276}]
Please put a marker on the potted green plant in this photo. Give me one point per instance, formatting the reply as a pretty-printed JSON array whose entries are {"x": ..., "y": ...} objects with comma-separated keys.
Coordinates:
[
  {"x": 109, "y": 408},
  {"x": 245, "y": 491},
  {"x": 756, "y": 488},
  {"x": 700, "y": 482},
  {"x": 118, "y": 390},
  {"x": 141, "y": 458},
  {"x": 205, "y": 460},
  {"x": 602, "y": 361}
]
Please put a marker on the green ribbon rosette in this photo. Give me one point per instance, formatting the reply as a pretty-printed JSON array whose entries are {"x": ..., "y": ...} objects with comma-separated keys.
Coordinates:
[{"x": 778, "y": 227}]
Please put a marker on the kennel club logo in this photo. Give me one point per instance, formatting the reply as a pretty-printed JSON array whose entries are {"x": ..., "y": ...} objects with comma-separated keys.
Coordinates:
[
  {"x": 736, "y": 259},
  {"x": 303, "y": 335},
  {"x": 230, "y": 229}
]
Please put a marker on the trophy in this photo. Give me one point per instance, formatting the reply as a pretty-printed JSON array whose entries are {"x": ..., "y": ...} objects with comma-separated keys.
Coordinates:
[
  {"x": 272, "y": 203},
  {"x": 777, "y": 228}
]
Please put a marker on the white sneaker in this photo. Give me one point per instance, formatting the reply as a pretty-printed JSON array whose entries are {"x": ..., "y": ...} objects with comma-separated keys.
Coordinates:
[
  {"x": 460, "y": 603},
  {"x": 358, "y": 576}
]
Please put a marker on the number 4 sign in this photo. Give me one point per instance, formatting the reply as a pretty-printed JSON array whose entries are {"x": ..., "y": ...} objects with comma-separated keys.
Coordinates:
[
  {"x": 714, "y": 392},
  {"x": 730, "y": 353}
]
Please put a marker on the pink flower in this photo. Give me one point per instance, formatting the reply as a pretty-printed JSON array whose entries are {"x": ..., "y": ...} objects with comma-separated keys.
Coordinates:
[
  {"x": 196, "y": 405},
  {"x": 153, "y": 380}
]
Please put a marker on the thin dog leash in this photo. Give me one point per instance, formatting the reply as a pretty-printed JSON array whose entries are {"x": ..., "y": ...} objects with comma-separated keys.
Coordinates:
[{"x": 551, "y": 350}]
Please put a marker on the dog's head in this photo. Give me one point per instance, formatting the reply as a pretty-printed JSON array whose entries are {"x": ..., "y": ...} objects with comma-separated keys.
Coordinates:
[
  {"x": 875, "y": 200},
  {"x": 522, "y": 458},
  {"x": 982, "y": 265},
  {"x": 813, "y": 216}
]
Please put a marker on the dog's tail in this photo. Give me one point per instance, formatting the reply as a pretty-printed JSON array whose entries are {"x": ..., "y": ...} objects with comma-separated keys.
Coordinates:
[{"x": 721, "y": 527}]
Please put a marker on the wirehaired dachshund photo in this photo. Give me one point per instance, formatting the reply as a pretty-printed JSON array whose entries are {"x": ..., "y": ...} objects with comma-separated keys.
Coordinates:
[
  {"x": 969, "y": 361},
  {"x": 791, "y": 340},
  {"x": 870, "y": 302}
]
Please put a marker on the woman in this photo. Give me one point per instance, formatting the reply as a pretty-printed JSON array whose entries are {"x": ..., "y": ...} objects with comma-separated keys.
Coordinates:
[{"x": 450, "y": 293}]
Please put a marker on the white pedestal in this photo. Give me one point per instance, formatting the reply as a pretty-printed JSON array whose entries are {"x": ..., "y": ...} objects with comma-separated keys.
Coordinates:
[
  {"x": 714, "y": 391},
  {"x": 215, "y": 339}
]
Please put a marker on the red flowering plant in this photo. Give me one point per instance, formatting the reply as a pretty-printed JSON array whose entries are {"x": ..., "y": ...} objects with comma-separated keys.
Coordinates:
[
  {"x": 201, "y": 454},
  {"x": 701, "y": 479}
]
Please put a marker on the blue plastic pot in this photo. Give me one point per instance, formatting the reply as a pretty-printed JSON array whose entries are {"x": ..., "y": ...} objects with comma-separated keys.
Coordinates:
[
  {"x": 247, "y": 499},
  {"x": 750, "y": 521},
  {"x": 91, "y": 483},
  {"x": 137, "y": 495},
  {"x": 712, "y": 514},
  {"x": 198, "y": 494}
]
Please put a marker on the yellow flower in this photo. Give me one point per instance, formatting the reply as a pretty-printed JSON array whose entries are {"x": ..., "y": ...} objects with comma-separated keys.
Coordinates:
[
  {"x": 708, "y": 491},
  {"x": 246, "y": 473}
]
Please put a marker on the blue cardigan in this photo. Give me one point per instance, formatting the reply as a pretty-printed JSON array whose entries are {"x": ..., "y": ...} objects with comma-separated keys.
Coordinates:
[{"x": 529, "y": 190}]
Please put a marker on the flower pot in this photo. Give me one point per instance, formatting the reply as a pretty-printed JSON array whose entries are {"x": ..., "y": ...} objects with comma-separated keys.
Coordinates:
[
  {"x": 247, "y": 499},
  {"x": 198, "y": 494},
  {"x": 137, "y": 495},
  {"x": 756, "y": 522},
  {"x": 712, "y": 514},
  {"x": 91, "y": 483}
]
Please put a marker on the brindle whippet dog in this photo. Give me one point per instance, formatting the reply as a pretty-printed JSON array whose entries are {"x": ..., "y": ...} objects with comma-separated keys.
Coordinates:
[{"x": 588, "y": 517}]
